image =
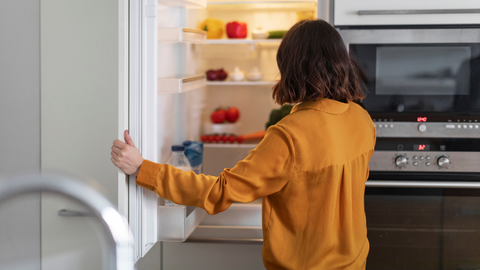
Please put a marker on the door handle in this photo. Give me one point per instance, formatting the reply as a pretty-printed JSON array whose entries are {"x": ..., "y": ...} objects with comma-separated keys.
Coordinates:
[
  {"x": 71, "y": 213},
  {"x": 417, "y": 11}
]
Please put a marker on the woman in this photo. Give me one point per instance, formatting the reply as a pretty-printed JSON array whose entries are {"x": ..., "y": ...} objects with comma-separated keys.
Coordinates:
[{"x": 310, "y": 168}]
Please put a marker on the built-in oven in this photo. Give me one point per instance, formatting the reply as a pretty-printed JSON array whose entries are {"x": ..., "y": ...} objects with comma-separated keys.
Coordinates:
[
  {"x": 423, "y": 227},
  {"x": 422, "y": 198}
]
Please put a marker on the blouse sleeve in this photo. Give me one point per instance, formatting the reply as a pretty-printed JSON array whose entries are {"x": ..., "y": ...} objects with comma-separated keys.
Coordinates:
[{"x": 265, "y": 171}]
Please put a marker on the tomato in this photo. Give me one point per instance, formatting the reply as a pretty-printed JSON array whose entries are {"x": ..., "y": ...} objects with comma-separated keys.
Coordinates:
[
  {"x": 224, "y": 138},
  {"x": 218, "y": 116},
  {"x": 231, "y": 138},
  {"x": 204, "y": 138},
  {"x": 232, "y": 114},
  {"x": 217, "y": 138},
  {"x": 239, "y": 139},
  {"x": 209, "y": 138}
]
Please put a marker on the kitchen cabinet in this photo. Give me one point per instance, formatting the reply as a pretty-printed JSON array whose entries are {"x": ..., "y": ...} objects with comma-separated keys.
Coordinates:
[
  {"x": 351, "y": 13},
  {"x": 83, "y": 108}
]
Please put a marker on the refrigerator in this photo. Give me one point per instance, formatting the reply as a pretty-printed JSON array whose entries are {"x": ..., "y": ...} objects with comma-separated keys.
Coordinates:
[{"x": 171, "y": 100}]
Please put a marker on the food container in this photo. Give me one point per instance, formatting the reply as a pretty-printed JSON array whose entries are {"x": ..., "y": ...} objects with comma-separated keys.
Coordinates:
[
  {"x": 254, "y": 75},
  {"x": 259, "y": 33},
  {"x": 237, "y": 75}
]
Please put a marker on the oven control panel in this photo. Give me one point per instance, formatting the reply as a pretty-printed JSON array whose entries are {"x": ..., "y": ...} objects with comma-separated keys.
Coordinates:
[
  {"x": 428, "y": 129},
  {"x": 428, "y": 161}
]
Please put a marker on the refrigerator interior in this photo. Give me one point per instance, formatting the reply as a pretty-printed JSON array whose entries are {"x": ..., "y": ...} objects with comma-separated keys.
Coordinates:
[{"x": 184, "y": 114}]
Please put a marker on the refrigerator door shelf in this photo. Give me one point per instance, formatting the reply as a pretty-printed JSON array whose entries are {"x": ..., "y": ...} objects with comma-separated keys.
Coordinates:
[
  {"x": 175, "y": 224},
  {"x": 184, "y": 3},
  {"x": 181, "y": 34},
  {"x": 181, "y": 84}
]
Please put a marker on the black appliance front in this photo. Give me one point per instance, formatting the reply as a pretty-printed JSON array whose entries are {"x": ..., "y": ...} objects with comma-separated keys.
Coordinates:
[
  {"x": 423, "y": 228},
  {"x": 410, "y": 82}
]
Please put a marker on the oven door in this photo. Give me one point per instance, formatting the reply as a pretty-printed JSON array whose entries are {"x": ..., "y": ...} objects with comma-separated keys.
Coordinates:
[
  {"x": 418, "y": 72},
  {"x": 423, "y": 225}
]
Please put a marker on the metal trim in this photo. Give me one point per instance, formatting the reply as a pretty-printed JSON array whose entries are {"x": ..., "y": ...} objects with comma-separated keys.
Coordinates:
[
  {"x": 421, "y": 184},
  {"x": 225, "y": 240},
  {"x": 417, "y": 11}
]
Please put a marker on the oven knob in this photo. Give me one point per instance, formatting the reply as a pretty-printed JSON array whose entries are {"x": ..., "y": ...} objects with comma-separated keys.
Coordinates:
[
  {"x": 443, "y": 161},
  {"x": 401, "y": 161},
  {"x": 422, "y": 127}
]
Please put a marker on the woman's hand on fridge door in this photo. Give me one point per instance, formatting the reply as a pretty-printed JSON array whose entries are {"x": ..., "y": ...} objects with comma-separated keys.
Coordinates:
[{"x": 126, "y": 156}]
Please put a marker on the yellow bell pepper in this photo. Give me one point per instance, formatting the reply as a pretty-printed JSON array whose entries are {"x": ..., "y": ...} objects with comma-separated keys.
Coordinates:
[{"x": 214, "y": 28}]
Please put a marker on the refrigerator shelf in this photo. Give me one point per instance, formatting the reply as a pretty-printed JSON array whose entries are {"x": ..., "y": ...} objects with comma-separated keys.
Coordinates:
[
  {"x": 181, "y": 84},
  {"x": 239, "y": 5},
  {"x": 184, "y": 3},
  {"x": 230, "y": 145},
  {"x": 226, "y": 2},
  {"x": 225, "y": 41},
  {"x": 241, "y": 83},
  {"x": 181, "y": 34},
  {"x": 241, "y": 221},
  {"x": 176, "y": 223},
  {"x": 205, "y": 233}
]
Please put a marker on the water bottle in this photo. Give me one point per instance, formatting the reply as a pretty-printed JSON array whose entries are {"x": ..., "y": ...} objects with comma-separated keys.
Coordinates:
[
  {"x": 180, "y": 161},
  {"x": 194, "y": 153}
]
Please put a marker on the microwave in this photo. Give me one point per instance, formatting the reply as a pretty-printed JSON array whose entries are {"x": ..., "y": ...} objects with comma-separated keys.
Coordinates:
[{"x": 419, "y": 74}]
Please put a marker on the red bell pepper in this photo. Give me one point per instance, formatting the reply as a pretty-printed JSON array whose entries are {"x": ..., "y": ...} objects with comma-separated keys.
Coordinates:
[{"x": 236, "y": 29}]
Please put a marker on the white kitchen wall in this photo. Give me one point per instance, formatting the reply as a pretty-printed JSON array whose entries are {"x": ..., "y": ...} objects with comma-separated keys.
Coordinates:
[{"x": 20, "y": 132}]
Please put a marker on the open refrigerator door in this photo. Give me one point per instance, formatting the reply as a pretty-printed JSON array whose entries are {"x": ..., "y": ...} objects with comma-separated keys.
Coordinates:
[
  {"x": 142, "y": 119},
  {"x": 172, "y": 98}
]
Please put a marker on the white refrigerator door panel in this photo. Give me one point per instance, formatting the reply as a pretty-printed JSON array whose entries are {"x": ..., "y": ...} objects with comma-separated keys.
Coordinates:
[
  {"x": 156, "y": 120},
  {"x": 143, "y": 119}
]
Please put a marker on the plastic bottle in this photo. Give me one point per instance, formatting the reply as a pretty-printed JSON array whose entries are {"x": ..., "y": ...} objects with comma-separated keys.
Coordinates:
[
  {"x": 194, "y": 153},
  {"x": 180, "y": 161}
]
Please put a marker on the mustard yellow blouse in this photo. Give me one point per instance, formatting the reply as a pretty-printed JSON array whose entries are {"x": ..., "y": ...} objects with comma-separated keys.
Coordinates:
[{"x": 310, "y": 169}]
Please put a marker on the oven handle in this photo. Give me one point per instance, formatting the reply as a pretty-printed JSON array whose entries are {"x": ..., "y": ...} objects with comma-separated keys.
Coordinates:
[
  {"x": 417, "y": 11},
  {"x": 421, "y": 184}
]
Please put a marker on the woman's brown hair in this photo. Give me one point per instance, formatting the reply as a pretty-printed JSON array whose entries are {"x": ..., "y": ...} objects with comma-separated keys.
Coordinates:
[{"x": 314, "y": 64}]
